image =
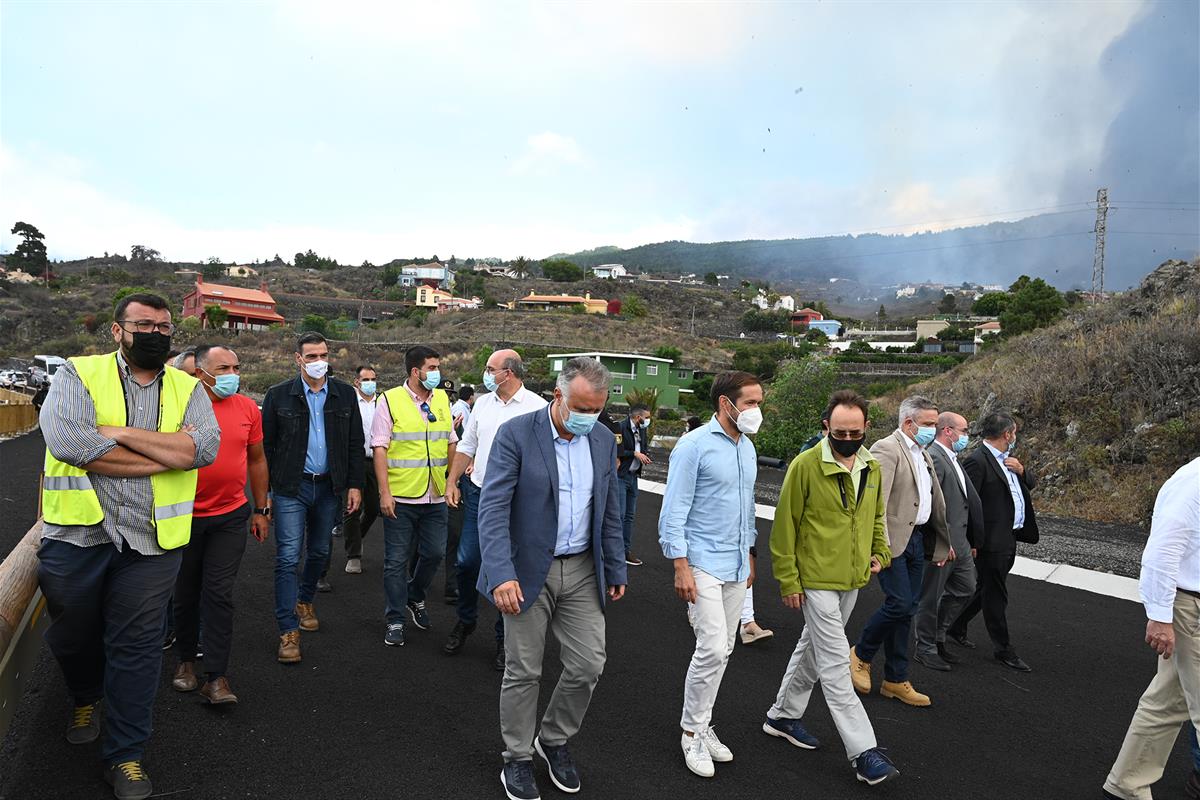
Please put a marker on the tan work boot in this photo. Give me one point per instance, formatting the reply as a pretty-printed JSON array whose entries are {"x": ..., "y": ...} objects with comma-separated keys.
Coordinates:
[
  {"x": 753, "y": 632},
  {"x": 289, "y": 648},
  {"x": 308, "y": 618},
  {"x": 185, "y": 677},
  {"x": 905, "y": 693},
  {"x": 860, "y": 673}
]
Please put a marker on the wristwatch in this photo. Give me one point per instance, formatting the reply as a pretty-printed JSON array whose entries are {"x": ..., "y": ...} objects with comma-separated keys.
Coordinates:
[{"x": 264, "y": 511}]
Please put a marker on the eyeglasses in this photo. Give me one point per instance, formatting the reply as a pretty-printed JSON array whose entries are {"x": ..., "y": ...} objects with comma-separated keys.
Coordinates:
[
  {"x": 846, "y": 436},
  {"x": 429, "y": 415},
  {"x": 493, "y": 371},
  {"x": 146, "y": 326}
]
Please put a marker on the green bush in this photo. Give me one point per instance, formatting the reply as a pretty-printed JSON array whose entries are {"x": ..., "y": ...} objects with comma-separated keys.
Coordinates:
[
  {"x": 793, "y": 406},
  {"x": 314, "y": 322}
]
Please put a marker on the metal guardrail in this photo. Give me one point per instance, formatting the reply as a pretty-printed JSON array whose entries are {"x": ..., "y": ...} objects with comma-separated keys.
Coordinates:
[{"x": 23, "y": 620}]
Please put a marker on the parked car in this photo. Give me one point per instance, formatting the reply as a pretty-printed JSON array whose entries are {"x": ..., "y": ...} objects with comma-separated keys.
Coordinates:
[{"x": 8, "y": 378}]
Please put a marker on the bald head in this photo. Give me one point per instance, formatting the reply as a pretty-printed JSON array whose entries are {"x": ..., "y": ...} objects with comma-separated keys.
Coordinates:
[
  {"x": 950, "y": 427},
  {"x": 507, "y": 370}
]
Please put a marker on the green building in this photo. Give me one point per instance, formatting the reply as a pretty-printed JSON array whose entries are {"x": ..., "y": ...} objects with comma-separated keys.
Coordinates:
[{"x": 633, "y": 371}]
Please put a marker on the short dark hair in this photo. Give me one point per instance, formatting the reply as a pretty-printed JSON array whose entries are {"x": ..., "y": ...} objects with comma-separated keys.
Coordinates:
[
  {"x": 311, "y": 337},
  {"x": 416, "y": 356},
  {"x": 201, "y": 351},
  {"x": 846, "y": 397},
  {"x": 638, "y": 408},
  {"x": 358, "y": 370},
  {"x": 996, "y": 424},
  {"x": 730, "y": 384},
  {"x": 693, "y": 423},
  {"x": 465, "y": 393},
  {"x": 141, "y": 298}
]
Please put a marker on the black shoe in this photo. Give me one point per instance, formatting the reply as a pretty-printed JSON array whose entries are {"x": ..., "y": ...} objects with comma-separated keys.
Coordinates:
[
  {"x": 129, "y": 780},
  {"x": 932, "y": 661},
  {"x": 499, "y": 663},
  {"x": 946, "y": 655},
  {"x": 517, "y": 780},
  {"x": 169, "y": 641},
  {"x": 323, "y": 585},
  {"x": 457, "y": 638},
  {"x": 961, "y": 640},
  {"x": 395, "y": 635},
  {"x": 563, "y": 773},
  {"x": 85, "y": 724},
  {"x": 1014, "y": 661},
  {"x": 420, "y": 616},
  {"x": 632, "y": 560}
]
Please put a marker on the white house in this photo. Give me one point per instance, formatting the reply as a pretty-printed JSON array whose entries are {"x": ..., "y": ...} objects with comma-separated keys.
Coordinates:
[
  {"x": 785, "y": 303},
  {"x": 761, "y": 301},
  {"x": 240, "y": 271},
  {"x": 609, "y": 271}
]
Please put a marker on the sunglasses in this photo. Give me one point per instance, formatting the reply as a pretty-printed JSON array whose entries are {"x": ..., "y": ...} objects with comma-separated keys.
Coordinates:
[{"x": 429, "y": 415}]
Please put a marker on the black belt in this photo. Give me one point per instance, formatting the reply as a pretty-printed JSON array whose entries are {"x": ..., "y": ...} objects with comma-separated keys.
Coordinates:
[
  {"x": 572, "y": 555},
  {"x": 1189, "y": 591},
  {"x": 308, "y": 476}
]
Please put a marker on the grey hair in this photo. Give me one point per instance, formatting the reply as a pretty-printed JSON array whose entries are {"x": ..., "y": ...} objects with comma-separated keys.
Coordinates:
[
  {"x": 188, "y": 352},
  {"x": 590, "y": 369},
  {"x": 515, "y": 365},
  {"x": 911, "y": 405},
  {"x": 996, "y": 424}
]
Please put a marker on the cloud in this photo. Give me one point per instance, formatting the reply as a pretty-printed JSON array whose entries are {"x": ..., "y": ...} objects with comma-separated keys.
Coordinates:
[{"x": 545, "y": 152}]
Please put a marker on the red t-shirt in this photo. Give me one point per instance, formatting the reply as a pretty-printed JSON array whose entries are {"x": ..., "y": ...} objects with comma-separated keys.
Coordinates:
[{"x": 222, "y": 484}]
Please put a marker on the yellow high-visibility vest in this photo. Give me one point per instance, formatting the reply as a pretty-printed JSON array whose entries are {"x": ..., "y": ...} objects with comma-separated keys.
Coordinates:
[
  {"x": 419, "y": 451},
  {"x": 67, "y": 494}
]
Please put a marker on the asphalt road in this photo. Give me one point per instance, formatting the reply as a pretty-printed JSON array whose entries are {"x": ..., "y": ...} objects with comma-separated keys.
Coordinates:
[{"x": 358, "y": 719}]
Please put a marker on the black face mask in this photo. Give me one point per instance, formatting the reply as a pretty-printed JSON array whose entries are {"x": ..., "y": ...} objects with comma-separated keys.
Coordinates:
[
  {"x": 149, "y": 350},
  {"x": 846, "y": 447}
]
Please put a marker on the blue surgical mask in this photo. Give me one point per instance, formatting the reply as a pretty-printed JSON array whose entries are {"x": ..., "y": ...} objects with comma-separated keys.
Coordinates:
[
  {"x": 960, "y": 443},
  {"x": 925, "y": 436},
  {"x": 489, "y": 381},
  {"x": 579, "y": 424},
  {"x": 226, "y": 385},
  {"x": 433, "y": 379},
  {"x": 646, "y": 423},
  {"x": 1011, "y": 446},
  {"x": 368, "y": 388}
]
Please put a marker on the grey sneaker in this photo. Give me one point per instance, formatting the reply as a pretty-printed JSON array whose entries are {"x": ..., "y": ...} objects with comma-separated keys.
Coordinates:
[
  {"x": 85, "y": 724},
  {"x": 354, "y": 566},
  {"x": 129, "y": 780}
]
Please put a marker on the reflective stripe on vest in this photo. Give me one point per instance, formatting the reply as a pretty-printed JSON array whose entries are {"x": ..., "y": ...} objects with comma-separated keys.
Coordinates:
[
  {"x": 419, "y": 451},
  {"x": 68, "y": 497}
]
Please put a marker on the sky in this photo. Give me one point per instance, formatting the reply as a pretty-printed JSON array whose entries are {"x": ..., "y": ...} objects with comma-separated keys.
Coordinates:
[{"x": 371, "y": 131}]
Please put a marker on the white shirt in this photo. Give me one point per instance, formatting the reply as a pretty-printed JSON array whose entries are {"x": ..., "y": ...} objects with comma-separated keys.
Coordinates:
[
  {"x": 1014, "y": 487},
  {"x": 962, "y": 479},
  {"x": 461, "y": 408},
  {"x": 489, "y": 414},
  {"x": 1171, "y": 559},
  {"x": 924, "y": 482},
  {"x": 366, "y": 410}
]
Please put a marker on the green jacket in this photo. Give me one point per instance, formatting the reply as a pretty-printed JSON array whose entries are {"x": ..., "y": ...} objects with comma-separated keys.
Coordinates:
[{"x": 825, "y": 533}]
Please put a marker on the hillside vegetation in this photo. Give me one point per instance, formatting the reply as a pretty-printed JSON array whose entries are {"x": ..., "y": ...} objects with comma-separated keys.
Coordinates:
[{"x": 1109, "y": 397}]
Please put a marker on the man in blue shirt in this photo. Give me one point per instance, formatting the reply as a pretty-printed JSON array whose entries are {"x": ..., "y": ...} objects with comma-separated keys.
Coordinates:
[{"x": 707, "y": 527}]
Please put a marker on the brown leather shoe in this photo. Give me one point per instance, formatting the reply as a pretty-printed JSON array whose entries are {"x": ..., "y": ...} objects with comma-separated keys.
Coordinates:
[
  {"x": 185, "y": 677},
  {"x": 308, "y": 618},
  {"x": 218, "y": 692},
  {"x": 289, "y": 648}
]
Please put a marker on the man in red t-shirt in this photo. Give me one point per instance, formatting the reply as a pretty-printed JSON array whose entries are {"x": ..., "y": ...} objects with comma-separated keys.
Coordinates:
[{"x": 204, "y": 588}]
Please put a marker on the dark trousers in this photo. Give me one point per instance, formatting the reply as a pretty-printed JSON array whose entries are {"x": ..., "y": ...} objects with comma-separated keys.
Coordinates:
[
  {"x": 417, "y": 526},
  {"x": 357, "y": 524},
  {"x": 455, "y": 519},
  {"x": 991, "y": 597},
  {"x": 204, "y": 588},
  {"x": 107, "y": 608},
  {"x": 627, "y": 493},
  {"x": 470, "y": 559},
  {"x": 890, "y": 626}
]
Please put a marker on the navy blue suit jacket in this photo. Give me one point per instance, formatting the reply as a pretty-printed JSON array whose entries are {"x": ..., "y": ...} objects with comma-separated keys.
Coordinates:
[{"x": 518, "y": 509}]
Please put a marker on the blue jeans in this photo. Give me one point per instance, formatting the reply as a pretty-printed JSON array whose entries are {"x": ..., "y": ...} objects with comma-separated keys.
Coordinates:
[
  {"x": 314, "y": 507},
  {"x": 420, "y": 527},
  {"x": 108, "y": 609},
  {"x": 627, "y": 493},
  {"x": 891, "y": 625},
  {"x": 469, "y": 559}
]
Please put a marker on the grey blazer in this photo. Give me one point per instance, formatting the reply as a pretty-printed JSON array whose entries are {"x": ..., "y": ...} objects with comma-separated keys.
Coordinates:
[{"x": 964, "y": 512}]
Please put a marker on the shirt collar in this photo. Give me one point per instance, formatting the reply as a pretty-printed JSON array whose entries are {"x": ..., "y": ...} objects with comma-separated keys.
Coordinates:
[
  {"x": 714, "y": 426},
  {"x": 912, "y": 445},
  {"x": 124, "y": 368},
  {"x": 553, "y": 428},
  {"x": 371, "y": 401},
  {"x": 949, "y": 452},
  {"x": 324, "y": 387},
  {"x": 827, "y": 455},
  {"x": 518, "y": 396},
  {"x": 999, "y": 456}
]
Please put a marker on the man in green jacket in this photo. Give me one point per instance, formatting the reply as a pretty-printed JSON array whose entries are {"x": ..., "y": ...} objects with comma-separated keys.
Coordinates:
[{"x": 827, "y": 540}]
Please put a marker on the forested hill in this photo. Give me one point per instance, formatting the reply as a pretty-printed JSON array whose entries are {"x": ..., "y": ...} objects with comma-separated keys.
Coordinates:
[{"x": 1058, "y": 247}]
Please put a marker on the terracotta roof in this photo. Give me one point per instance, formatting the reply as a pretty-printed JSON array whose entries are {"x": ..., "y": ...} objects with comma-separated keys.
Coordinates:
[
  {"x": 988, "y": 326},
  {"x": 234, "y": 293},
  {"x": 807, "y": 310}
]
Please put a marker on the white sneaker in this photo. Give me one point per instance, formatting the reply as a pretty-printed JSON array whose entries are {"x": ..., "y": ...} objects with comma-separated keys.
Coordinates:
[
  {"x": 716, "y": 750},
  {"x": 697, "y": 757},
  {"x": 354, "y": 566}
]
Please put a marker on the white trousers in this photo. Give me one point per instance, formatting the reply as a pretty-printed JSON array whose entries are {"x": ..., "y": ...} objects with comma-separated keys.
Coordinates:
[
  {"x": 1171, "y": 699},
  {"x": 716, "y": 617},
  {"x": 747, "y": 607},
  {"x": 823, "y": 654}
]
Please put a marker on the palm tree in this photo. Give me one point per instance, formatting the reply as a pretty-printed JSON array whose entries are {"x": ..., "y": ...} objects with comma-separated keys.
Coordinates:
[{"x": 520, "y": 267}]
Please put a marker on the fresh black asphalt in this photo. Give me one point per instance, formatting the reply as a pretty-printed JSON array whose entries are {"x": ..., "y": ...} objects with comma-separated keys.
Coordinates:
[{"x": 357, "y": 719}]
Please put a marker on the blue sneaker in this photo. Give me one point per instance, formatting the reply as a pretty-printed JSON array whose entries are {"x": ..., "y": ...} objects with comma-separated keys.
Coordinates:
[
  {"x": 420, "y": 616},
  {"x": 395, "y": 634},
  {"x": 792, "y": 730},
  {"x": 517, "y": 780},
  {"x": 874, "y": 767},
  {"x": 563, "y": 772}
]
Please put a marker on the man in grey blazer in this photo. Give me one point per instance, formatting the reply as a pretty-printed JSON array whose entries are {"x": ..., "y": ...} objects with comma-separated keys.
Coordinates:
[
  {"x": 946, "y": 590},
  {"x": 553, "y": 554}
]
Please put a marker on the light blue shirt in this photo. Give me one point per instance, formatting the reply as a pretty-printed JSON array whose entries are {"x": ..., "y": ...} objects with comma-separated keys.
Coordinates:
[
  {"x": 575, "y": 476},
  {"x": 1014, "y": 487},
  {"x": 708, "y": 508},
  {"x": 316, "y": 460}
]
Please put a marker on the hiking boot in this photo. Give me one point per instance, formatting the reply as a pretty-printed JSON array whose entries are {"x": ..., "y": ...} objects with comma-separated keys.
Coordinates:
[
  {"x": 860, "y": 672},
  {"x": 904, "y": 692},
  {"x": 308, "y": 617},
  {"x": 289, "y": 648}
]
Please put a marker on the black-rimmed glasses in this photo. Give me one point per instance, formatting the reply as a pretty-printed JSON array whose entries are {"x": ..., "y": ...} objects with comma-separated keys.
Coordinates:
[{"x": 146, "y": 326}]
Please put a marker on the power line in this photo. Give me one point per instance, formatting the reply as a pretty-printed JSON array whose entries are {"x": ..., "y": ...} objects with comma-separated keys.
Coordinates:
[
  {"x": 1160, "y": 202},
  {"x": 1155, "y": 233}
]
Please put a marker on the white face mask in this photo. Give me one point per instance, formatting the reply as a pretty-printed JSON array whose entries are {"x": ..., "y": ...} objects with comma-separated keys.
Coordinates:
[
  {"x": 749, "y": 420},
  {"x": 316, "y": 369}
]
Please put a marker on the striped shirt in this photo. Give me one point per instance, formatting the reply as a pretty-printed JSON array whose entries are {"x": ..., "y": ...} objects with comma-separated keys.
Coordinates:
[{"x": 68, "y": 422}]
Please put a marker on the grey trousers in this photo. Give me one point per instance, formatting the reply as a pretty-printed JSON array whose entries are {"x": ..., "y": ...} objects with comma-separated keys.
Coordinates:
[
  {"x": 568, "y": 605},
  {"x": 945, "y": 592}
]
